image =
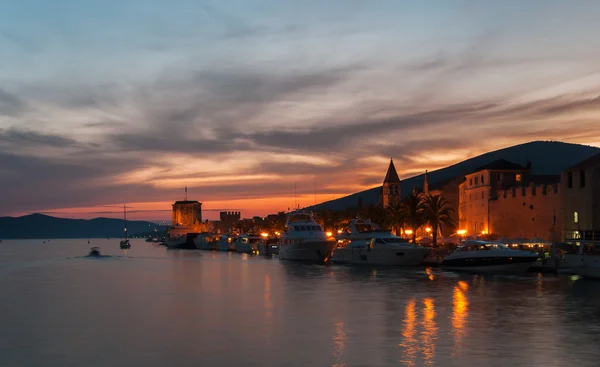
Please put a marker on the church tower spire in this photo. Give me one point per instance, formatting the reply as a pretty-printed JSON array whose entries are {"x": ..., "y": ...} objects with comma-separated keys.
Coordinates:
[{"x": 391, "y": 186}]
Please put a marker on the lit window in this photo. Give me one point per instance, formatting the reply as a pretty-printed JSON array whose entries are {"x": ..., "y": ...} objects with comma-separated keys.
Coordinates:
[
  {"x": 518, "y": 177},
  {"x": 575, "y": 217}
]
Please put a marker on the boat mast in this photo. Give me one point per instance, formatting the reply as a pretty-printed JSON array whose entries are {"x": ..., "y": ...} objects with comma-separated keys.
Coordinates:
[{"x": 125, "y": 220}]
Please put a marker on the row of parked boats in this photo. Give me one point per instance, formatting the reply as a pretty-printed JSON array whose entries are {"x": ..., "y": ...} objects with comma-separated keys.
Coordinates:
[{"x": 361, "y": 242}]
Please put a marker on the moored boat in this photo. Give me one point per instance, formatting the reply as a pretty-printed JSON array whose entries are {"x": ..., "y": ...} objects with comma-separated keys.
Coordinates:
[
  {"x": 487, "y": 256},
  {"x": 363, "y": 242},
  {"x": 303, "y": 239},
  {"x": 247, "y": 243},
  {"x": 206, "y": 241},
  {"x": 226, "y": 242},
  {"x": 268, "y": 245}
]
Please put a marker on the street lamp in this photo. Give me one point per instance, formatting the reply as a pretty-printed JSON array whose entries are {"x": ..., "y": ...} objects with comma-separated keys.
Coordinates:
[{"x": 427, "y": 230}]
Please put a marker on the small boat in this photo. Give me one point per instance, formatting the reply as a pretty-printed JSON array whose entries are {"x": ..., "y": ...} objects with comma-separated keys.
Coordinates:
[
  {"x": 94, "y": 251},
  {"x": 206, "y": 241},
  {"x": 488, "y": 256},
  {"x": 247, "y": 243},
  {"x": 268, "y": 245},
  {"x": 124, "y": 244},
  {"x": 303, "y": 239},
  {"x": 226, "y": 242}
]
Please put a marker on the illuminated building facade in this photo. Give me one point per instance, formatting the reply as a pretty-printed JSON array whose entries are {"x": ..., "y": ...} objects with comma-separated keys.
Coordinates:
[{"x": 580, "y": 186}]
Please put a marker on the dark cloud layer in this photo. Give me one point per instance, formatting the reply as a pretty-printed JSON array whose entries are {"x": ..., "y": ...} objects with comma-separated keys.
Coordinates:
[{"x": 208, "y": 113}]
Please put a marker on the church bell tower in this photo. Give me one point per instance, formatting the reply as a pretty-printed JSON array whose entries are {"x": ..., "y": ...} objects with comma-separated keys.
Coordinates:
[{"x": 391, "y": 186}]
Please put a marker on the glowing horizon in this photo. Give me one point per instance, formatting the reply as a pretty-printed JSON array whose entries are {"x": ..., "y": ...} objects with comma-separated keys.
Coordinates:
[{"x": 117, "y": 103}]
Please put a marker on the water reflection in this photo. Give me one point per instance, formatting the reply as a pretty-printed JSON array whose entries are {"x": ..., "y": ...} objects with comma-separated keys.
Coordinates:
[
  {"x": 460, "y": 310},
  {"x": 339, "y": 341},
  {"x": 430, "y": 273},
  {"x": 429, "y": 334},
  {"x": 409, "y": 342}
]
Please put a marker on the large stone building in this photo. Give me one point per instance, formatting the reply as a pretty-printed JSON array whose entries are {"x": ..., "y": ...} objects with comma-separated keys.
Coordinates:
[
  {"x": 580, "y": 185},
  {"x": 503, "y": 199},
  {"x": 391, "y": 191},
  {"x": 532, "y": 212},
  {"x": 480, "y": 187},
  {"x": 187, "y": 214}
]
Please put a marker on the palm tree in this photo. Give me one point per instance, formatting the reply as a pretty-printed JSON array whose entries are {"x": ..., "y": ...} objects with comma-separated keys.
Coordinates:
[
  {"x": 438, "y": 213},
  {"x": 396, "y": 217},
  {"x": 414, "y": 213}
]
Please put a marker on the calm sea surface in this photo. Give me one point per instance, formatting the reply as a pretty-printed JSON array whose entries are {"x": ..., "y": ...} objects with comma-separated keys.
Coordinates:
[{"x": 149, "y": 306}]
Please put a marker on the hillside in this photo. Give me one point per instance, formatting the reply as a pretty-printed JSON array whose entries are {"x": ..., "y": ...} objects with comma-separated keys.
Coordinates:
[
  {"x": 44, "y": 226},
  {"x": 546, "y": 157}
]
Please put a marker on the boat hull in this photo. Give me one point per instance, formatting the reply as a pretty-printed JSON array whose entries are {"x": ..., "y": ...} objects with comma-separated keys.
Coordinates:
[
  {"x": 587, "y": 266},
  {"x": 245, "y": 248},
  {"x": 513, "y": 264},
  {"x": 202, "y": 244},
  {"x": 270, "y": 249},
  {"x": 392, "y": 257},
  {"x": 312, "y": 251},
  {"x": 225, "y": 246}
]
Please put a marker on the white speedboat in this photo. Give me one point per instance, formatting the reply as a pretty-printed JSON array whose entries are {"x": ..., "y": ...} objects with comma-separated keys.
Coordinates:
[
  {"x": 304, "y": 239},
  {"x": 247, "y": 243},
  {"x": 379, "y": 251},
  {"x": 226, "y": 242},
  {"x": 268, "y": 245},
  {"x": 362, "y": 229},
  {"x": 363, "y": 242},
  {"x": 484, "y": 256},
  {"x": 206, "y": 241}
]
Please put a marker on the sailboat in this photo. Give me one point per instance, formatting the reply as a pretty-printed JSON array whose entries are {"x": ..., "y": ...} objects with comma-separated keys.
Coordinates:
[{"x": 125, "y": 242}]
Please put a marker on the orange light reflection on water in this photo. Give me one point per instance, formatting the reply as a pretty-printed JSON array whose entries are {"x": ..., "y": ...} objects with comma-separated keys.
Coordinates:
[
  {"x": 429, "y": 273},
  {"x": 410, "y": 342},
  {"x": 339, "y": 341},
  {"x": 429, "y": 334},
  {"x": 460, "y": 311}
]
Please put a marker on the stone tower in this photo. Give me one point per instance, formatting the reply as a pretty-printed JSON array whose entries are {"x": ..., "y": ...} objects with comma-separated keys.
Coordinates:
[{"x": 391, "y": 186}]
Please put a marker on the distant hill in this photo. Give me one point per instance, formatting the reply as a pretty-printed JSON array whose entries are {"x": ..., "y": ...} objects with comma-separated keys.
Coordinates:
[
  {"x": 44, "y": 226},
  {"x": 546, "y": 157}
]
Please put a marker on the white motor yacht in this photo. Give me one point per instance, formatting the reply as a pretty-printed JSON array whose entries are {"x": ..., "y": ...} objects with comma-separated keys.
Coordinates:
[
  {"x": 304, "y": 239},
  {"x": 363, "y": 242},
  {"x": 247, "y": 243},
  {"x": 226, "y": 242},
  {"x": 482, "y": 256}
]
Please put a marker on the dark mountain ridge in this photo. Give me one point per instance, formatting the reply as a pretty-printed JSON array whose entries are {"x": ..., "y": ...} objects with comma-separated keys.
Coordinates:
[{"x": 35, "y": 226}]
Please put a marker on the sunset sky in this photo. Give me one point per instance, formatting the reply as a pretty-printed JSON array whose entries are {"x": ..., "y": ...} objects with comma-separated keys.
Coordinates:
[{"x": 105, "y": 102}]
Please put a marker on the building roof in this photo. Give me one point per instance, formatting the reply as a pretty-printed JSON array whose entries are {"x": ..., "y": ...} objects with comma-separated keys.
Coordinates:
[
  {"x": 545, "y": 179},
  {"x": 391, "y": 176},
  {"x": 501, "y": 165},
  {"x": 586, "y": 163},
  {"x": 186, "y": 202}
]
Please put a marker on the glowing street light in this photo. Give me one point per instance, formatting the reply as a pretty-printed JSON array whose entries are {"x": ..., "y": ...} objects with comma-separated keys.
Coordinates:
[
  {"x": 329, "y": 234},
  {"x": 427, "y": 229},
  {"x": 264, "y": 234},
  {"x": 408, "y": 232},
  {"x": 461, "y": 232}
]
